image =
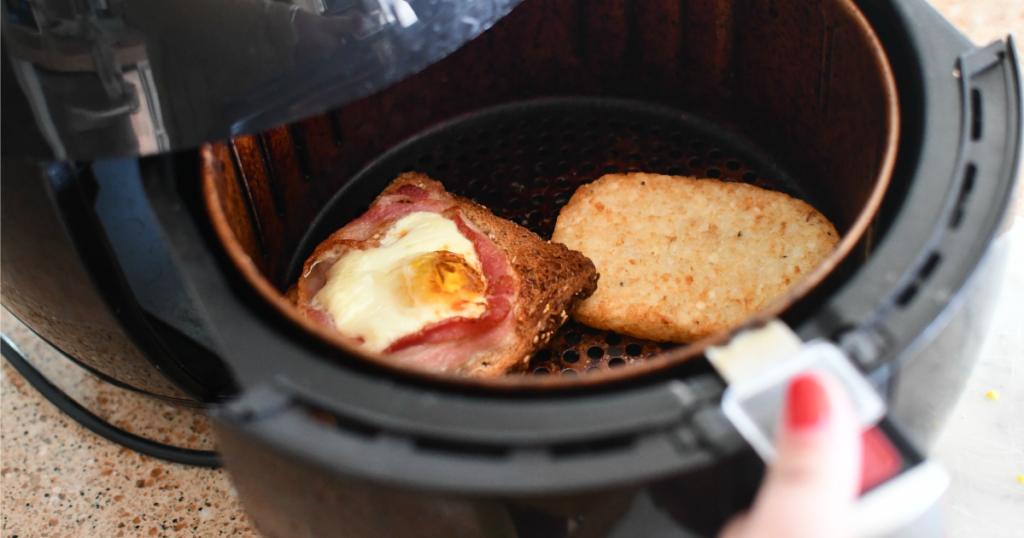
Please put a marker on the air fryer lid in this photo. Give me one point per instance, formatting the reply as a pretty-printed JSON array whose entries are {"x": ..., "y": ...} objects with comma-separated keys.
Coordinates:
[
  {"x": 144, "y": 76},
  {"x": 821, "y": 126}
]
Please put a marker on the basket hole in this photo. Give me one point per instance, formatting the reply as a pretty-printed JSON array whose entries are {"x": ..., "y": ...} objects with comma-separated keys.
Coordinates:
[
  {"x": 540, "y": 183},
  {"x": 569, "y": 373},
  {"x": 634, "y": 350},
  {"x": 541, "y": 371},
  {"x": 616, "y": 363},
  {"x": 573, "y": 338},
  {"x": 595, "y": 352},
  {"x": 537, "y": 199},
  {"x": 613, "y": 339},
  {"x": 586, "y": 168},
  {"x": 563, "y": 183},
  {"x": 571, "y": 356},
  {"x": 611, "y": 168},
  {"x": 714, "y": 173}
]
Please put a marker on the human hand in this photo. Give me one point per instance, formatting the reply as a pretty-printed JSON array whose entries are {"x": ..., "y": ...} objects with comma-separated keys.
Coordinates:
[{"x": 812, "y": 485}]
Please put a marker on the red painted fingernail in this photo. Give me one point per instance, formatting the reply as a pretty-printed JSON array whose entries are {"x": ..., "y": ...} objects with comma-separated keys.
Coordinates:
[{"x": 806, "y": 403}]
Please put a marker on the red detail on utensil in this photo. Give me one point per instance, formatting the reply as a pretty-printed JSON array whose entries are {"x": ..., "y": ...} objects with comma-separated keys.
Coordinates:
[{"x": 881, "y": 460}]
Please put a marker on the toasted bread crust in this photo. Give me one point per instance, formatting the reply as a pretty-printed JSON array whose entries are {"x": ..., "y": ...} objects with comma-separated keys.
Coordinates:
[{"x": 550, "y": 278}]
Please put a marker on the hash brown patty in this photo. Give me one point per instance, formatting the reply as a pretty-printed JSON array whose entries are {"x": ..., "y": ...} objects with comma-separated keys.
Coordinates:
[{"x": 682, "y": 258}]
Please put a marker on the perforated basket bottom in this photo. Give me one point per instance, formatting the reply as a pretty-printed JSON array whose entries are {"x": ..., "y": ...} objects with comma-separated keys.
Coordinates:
[{"x": 524, "y": 161}]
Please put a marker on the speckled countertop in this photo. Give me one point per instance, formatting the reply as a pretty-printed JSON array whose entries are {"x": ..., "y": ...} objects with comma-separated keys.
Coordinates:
[{"x": 59, "y": 480}]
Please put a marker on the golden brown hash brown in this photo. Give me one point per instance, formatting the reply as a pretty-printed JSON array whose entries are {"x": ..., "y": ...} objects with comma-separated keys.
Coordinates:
[{"x": 682, "y": 258}]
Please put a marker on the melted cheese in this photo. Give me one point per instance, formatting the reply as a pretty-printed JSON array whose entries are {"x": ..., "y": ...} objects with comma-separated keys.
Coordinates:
[{"x": 424, "y": 271}]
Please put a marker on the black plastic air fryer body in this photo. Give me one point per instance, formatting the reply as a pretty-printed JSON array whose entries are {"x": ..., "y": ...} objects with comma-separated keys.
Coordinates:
[{"x": 318, "y": 447}]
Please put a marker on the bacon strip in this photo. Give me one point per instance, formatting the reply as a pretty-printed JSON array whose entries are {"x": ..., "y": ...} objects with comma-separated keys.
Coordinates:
[{"x": 441, "y": 346}]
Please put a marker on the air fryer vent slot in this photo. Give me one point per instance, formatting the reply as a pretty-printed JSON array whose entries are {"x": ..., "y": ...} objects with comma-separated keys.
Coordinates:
[
  {"x": 927, "y": 268},
  {"x": 611, "y": 444},
  {"x": 965, "y": 190},
  {"x": 455, "y": 448},
  {"x": 975, "y": 114}
]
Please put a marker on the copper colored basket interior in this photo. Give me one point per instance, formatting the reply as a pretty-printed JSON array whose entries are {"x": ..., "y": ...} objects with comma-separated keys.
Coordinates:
[{"x": 799, "y": 96}]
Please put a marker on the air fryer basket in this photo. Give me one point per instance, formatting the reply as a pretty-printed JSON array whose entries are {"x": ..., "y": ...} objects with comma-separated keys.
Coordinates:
[{"x": 788, "y": 95}]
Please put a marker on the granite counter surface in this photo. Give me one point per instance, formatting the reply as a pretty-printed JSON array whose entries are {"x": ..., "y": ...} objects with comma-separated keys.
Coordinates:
[{"x": 59, "y": 480}]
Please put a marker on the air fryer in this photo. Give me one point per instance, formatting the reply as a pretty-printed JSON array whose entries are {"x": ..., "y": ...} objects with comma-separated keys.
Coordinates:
[{"x": 878, "y": 114}]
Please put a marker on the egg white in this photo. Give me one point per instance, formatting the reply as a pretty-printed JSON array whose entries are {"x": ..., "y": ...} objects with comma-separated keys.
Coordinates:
[{"x": 363, "y": 292}]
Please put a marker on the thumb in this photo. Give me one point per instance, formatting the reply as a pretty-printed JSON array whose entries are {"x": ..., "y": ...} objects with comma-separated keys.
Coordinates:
[{"x": 811, "y": 486}]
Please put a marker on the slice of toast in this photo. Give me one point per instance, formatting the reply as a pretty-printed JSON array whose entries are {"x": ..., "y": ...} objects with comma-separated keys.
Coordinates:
[{"x": 549, "y": 278}]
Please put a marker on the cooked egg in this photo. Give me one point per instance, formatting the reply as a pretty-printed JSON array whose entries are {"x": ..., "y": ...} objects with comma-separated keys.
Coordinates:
[{"x": 424, "y": 271}]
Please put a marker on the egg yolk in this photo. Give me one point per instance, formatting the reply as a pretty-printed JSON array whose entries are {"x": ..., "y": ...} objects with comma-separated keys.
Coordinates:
[
  {"x": 424, "y": 271},
  {"x": 441, "y": 277}
]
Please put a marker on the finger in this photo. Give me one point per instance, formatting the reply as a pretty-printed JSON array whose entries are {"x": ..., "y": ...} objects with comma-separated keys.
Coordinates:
[
  {"x": 811, "y": 485},
  {"x": 736, "y": 528}
]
